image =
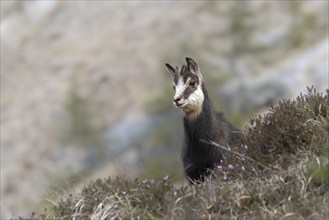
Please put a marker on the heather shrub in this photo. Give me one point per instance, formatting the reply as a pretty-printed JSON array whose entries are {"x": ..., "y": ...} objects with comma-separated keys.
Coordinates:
[
  {"x": 279, "y": 172},
  {"x": 291, "y": 127}
]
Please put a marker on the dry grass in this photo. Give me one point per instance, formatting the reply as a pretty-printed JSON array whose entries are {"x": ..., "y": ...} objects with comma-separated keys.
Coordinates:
[{"x": 280, "y": 172}]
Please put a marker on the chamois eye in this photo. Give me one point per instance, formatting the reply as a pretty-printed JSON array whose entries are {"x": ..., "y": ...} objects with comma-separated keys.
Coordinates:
[
  {"x": 192, "y": 83},
  {"x": 174, "y": 87}
]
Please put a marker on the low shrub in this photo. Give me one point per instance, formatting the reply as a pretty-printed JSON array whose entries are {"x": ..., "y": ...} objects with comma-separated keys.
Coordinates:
[{"x": 280, "y": 172}]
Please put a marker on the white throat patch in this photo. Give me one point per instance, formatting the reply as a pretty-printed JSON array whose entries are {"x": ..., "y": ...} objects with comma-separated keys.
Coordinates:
[{"x": 194, "y": 103}]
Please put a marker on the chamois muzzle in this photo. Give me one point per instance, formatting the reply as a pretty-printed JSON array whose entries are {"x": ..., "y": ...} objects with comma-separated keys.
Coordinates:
[{"x": 176, "y": 101}]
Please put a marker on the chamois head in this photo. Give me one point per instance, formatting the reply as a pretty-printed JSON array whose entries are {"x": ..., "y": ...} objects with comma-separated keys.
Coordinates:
[{"x": 187, "y": 83}]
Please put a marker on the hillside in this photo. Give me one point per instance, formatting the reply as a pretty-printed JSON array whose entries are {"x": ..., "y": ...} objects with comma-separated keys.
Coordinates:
[
  {"x": 85, "y": 95},
  {"x": 279, "y": 173}
]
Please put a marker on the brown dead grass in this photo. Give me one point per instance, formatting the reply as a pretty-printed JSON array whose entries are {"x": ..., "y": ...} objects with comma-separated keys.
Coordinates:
[{"x": 279, "y": 173}]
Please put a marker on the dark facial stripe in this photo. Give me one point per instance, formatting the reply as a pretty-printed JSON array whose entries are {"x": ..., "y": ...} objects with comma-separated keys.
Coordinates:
[
  {"x": 176, "y": 78},
  {"x": 186, "y": 74},
  {"x": 188, "y": 91}
]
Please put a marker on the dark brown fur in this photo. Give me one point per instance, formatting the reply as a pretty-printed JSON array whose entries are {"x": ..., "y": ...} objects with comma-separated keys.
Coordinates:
[{"x": 197, "y": 156}]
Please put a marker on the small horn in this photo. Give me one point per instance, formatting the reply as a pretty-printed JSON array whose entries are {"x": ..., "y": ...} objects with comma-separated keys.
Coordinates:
[{"x": 171, "y": 69}]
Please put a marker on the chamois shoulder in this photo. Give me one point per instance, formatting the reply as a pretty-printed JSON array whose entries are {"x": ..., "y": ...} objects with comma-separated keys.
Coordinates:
[{"x": 235, "y": 134}]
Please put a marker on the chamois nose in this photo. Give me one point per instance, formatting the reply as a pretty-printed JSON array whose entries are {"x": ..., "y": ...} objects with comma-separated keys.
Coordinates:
[{"x": 177, "y": 99}]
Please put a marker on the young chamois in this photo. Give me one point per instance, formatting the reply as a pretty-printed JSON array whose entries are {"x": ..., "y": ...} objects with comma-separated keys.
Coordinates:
[{"x": 201, "y": 122}]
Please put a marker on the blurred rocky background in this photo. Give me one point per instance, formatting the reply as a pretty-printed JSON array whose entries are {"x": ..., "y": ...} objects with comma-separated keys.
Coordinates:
[{"x": 85, "y": 95}]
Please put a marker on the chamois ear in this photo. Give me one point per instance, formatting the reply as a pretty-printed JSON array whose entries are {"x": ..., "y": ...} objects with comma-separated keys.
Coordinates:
[
  {"x": 171, "y": 70},
  {"x": 192, "y": 66}
]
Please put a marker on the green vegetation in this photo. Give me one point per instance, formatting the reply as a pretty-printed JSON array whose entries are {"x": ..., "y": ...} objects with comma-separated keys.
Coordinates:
[
  {"x": 320, "y": 169},
  {"x": 304, "y": 23},
  {"x": 81, "y": 128},
  {"x": 161, "y": 146},
  {"x": 271, "y": 176},
  {"x": 160, "y": 104}
]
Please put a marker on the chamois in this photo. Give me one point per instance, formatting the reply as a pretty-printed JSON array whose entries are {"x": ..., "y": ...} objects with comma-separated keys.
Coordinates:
[{"x": 201, "y": 122}]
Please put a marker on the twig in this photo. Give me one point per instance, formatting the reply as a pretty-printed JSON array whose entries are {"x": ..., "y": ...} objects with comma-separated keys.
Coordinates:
[{"x": 233, "y": 152}]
